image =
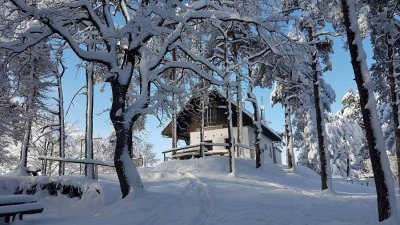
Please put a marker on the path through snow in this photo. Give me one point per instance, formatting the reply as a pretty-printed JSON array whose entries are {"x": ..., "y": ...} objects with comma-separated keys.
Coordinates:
[{"x": 199, "y": 192}]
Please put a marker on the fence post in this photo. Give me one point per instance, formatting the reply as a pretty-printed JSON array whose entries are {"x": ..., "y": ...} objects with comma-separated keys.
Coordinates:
[
  {"x": 202, "y": 149},
  {"x": 96, "y": 171},
  {"x": 45, "y": 166},
  {"x": 201, "y": 152}
]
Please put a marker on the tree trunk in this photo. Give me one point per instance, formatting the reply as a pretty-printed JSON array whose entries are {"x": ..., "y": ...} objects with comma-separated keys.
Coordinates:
[
  {"x": 61, "y": 167},
  {"x": 380, "y": 163},
  {"x": 289, "y": 139},
  {"x": 25, "y": 143},
  {"x": 27, "y": 128},
  {"x": 89, "y": 168},
  {"x": 174, "y": 113},
  {"x": 326, "y": 182},
  {"x": 174, "y": 125},
  {"x": 202, "y": 127},
  {"x": 231, "y": 145},
  {"x": 50, "y": 167},
  {"x": 394, "y": 99},
  {"x": 239, "y": 115},
  {"x": 256, "y": 125},
  {"x": 323, "y": 154},
  {"x": 127, "y": 173}
]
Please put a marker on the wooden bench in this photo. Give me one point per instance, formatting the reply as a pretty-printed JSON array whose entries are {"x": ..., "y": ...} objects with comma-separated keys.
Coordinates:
[
  {"x": 13, "y": 205},
  {"x": 33, "y": 171}
]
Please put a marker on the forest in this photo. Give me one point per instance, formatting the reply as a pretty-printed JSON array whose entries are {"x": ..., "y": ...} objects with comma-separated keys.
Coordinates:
[{"x": 154, "y": 55}]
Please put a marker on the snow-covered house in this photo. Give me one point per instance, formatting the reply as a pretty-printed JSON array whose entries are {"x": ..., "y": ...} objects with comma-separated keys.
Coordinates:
[{"x": 188, "y": 129}]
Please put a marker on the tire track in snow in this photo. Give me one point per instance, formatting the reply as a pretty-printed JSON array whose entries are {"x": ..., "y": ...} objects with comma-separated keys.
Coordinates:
[{"x": 194, "y": 205}]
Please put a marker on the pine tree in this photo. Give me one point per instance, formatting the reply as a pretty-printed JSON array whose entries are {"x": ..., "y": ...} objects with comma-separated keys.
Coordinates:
[{"x": 377, "y": 151}]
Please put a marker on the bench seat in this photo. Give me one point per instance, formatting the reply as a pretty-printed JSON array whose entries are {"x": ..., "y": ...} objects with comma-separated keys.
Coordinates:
[
  {"x": 16, "y": 199},
  {"x": 12, "y": 205},
  {"x": 25, "y": 208}
]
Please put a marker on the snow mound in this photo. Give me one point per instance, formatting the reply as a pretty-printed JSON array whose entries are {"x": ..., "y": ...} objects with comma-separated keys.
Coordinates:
[
  {"x": 201, "y": 191},
  {"x": 220, "y": 165},
  {"x": 307, "y": 172},
  {"x": 9, "y": 184},
  {"x": 215, "y": 164}
]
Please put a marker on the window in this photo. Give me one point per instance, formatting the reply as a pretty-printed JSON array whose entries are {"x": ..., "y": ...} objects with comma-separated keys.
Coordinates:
[
  {"x": 210, "y": 117},
  {"x": 227, "y": 142},
  {"x": 270, "y": 152},
  {"x": 273, "y": 153},
  {"x": 209, "y": 147}
]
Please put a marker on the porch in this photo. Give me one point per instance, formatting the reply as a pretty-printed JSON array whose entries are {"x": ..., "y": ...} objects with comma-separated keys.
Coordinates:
[{"x": 203, "y": 149}]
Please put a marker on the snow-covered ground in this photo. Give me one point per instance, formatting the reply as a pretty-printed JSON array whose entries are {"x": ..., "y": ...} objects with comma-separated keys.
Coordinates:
[{"x": 200, "y": 191}]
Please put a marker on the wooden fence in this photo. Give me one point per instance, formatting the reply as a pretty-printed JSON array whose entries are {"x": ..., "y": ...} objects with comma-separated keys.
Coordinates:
[{"x": 94, "y": 162}]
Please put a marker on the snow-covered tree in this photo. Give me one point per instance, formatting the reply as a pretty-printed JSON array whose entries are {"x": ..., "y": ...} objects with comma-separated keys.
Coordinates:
[
  {"x": 351, "y": 111},
  {"x": 383, "y": 24},
  {"x": 376, "y": 146},
  {"x": 345, "y": 141},
  {"x": 31, "y": 72},
  {"x": 304, "y": 122},
  {"x": 310, "y": 31},
  {"x": 10, "y": 115},
  {"x": 132, "y": 41},
  {"x": 288, "y": 92},
  {"x": 139, "y": 46},
  {"x": 59, "y": 73}
]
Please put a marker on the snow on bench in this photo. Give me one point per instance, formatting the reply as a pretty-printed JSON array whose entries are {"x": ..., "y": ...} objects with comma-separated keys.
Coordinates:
[
  {"x": 11, "y": 205},
  {"x": 15, "y": 199},
  {"x": 23, "y": 208}
]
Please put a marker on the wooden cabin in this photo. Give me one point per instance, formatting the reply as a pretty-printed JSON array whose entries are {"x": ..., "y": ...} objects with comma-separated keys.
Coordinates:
[{"x": 188, "y": 129}]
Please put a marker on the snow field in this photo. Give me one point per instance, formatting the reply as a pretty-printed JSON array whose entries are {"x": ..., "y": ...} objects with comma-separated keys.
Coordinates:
[{"x": 200, "y": 191}]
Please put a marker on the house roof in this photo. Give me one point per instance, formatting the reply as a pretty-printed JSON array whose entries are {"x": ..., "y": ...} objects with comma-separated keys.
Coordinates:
[{"x": 191, "y": 110}]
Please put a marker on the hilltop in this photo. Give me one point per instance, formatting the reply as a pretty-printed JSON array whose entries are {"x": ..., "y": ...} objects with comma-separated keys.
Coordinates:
[{"x": 200, "y": 191}]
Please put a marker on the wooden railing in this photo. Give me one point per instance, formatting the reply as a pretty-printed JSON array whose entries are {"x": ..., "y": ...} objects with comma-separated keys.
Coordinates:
[
  {"x": 186, "y": 149},
  {"x": 195, "y": 150},
  {"x": 94, "y": 162}
]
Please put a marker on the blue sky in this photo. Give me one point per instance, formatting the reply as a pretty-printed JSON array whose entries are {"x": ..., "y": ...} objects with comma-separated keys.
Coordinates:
[{"x": 340, "y": 78}]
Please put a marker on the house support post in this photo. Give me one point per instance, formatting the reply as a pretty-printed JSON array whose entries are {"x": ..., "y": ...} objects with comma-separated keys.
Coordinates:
[
  {"x": 239, "y": 117},
  {"x": 202, "y": 129},
  {"x": 174, "y": 119}
]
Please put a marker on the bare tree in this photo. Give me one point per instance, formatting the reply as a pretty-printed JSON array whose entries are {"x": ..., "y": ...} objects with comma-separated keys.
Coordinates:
[{"x": 60, "y": 103}]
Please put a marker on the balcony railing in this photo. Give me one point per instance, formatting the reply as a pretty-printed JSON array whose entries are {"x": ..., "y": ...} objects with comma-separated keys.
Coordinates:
[{"x": 195, "y": 151}]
